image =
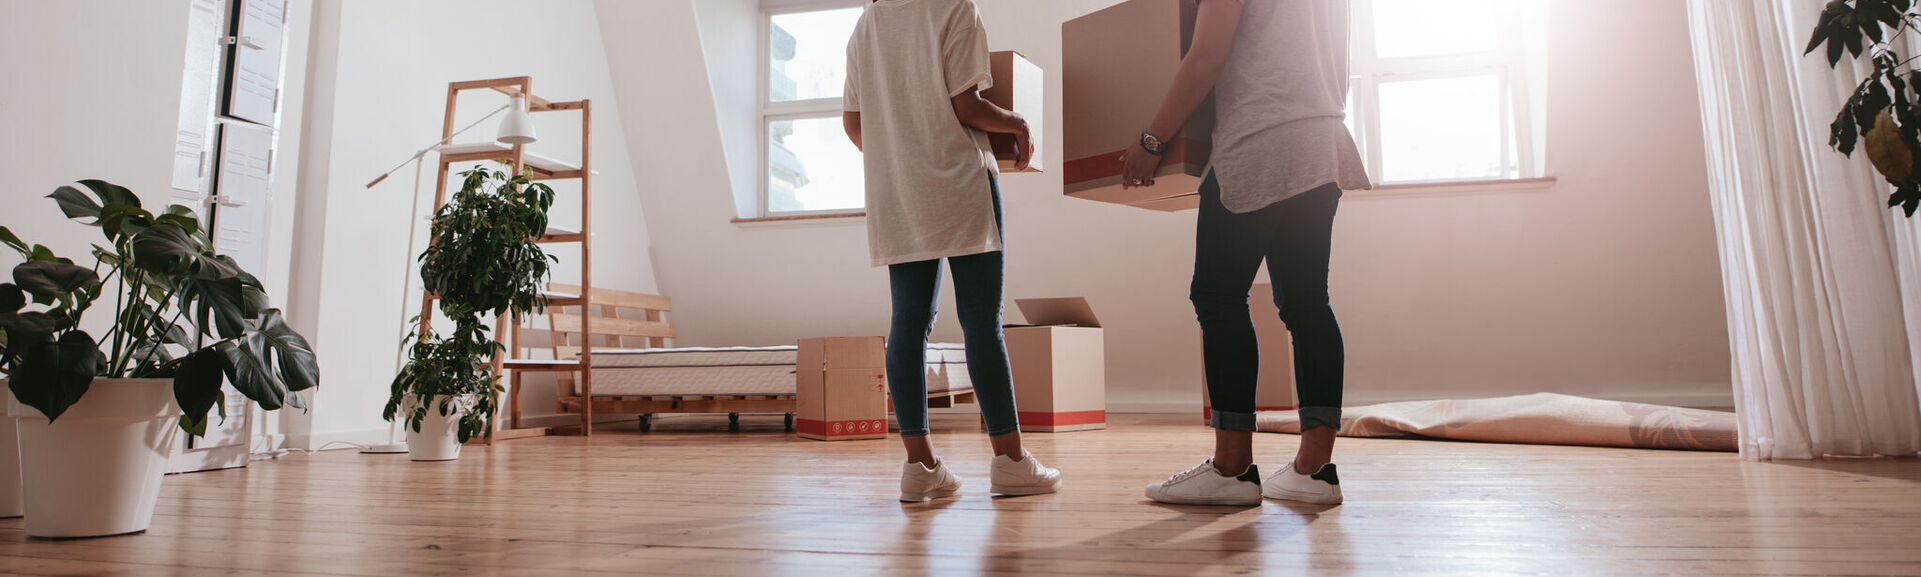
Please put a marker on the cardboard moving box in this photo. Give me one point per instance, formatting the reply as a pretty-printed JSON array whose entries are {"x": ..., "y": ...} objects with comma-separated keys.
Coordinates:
[
  {"x": 1116, "y": 66},
  {"x": 1275, "y": 384},
  {"x": 1060, "y": 366},
  {"x": 841, "y": 388},
  {"x": 1018, "y": 86}
]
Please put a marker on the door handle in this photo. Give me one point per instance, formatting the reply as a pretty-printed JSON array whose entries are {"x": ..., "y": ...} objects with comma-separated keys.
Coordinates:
[
  {"x": 246, "y": 41},
  {"x": 228, "y": 201}
]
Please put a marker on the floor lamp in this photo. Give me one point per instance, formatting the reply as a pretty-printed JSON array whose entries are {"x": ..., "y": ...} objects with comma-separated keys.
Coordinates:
[{"x": 516, "y": 128}]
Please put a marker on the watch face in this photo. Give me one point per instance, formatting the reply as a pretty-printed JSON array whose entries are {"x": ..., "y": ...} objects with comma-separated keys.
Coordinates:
[{"x": 1150, "y": 142}]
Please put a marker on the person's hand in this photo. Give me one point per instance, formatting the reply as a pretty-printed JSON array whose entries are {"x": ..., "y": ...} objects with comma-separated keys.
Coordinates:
[
  {"x": 1138, "y": 166},
  {"x": 1023, "y": 147}
]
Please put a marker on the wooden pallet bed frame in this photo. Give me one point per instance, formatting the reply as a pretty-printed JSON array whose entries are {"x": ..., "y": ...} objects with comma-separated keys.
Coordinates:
[{"x": 626, "y": 320}]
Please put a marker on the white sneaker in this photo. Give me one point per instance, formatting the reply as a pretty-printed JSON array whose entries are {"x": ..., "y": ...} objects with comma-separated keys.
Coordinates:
[
  {"x": 1024, "y": 477},
  {"x": 919, "y": 483},
  {"x": 1205, "y": 485},
  {"x": 1320, "y": 488}
]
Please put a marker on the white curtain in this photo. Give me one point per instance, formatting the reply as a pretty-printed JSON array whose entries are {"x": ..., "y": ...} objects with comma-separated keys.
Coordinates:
[{"x": 1811, "y": 262}]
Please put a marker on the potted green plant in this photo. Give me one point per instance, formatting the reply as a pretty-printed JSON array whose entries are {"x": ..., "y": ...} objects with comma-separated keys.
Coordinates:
[
  {"x": 1881, "y": 112},
  {"x": 96, "y": 416},
  {"x": 484, "y": 260}
]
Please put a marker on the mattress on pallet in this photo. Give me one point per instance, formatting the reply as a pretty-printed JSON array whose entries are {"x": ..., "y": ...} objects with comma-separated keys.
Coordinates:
[{"x": 738, "y": 371}]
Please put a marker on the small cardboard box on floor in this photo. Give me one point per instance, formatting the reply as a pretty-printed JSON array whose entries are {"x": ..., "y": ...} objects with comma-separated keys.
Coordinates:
[
  {"x": 840, "y": 388},
  {"x": 1060, "y": 366},
  {"x": 1018, "y": 86},
  {"x": 1275, "y": 382},
  {"x": 1117, "y": 65}
]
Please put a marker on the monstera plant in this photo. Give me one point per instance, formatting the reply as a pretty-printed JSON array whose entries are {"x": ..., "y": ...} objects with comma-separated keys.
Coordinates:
[
  {"x": 180, "y": 312},
  {"x": 1882, "y": 108},
  {"x": 484, "y": 260}
]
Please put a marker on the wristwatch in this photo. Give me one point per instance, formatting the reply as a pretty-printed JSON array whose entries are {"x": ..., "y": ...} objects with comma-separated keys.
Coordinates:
[{"x": 1152, "y": 144}]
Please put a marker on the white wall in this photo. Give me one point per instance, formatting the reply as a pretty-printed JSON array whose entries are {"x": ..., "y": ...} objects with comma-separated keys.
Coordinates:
[
  {"x": 85, "y": 104},
  {"x": 1605, "y": 285},
  {"x": 377, "y": 91}
]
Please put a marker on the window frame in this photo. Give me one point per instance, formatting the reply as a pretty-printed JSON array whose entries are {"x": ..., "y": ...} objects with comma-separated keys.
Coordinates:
[
  {"x": 771, "y": 111},
  {"x": 1508, "y": 62}
]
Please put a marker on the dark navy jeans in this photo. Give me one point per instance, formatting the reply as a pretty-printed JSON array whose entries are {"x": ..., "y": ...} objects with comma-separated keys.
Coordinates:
[
  {"x": 1294, "y": 236},
  {"x": 977, "y": 293}
]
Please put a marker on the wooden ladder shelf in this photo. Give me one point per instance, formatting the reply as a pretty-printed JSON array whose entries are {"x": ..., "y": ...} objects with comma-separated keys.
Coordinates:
[{"x": 542, "y": 168}]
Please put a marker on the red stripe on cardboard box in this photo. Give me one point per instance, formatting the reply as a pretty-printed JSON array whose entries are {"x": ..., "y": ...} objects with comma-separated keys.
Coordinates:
[
  {"x": 840, "y": 428},
  {"x": 1108, "y": 164},
  {"x": 1063, "y": 419}
]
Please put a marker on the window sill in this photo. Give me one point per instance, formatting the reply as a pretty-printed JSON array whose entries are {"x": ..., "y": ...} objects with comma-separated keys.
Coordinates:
[
  {"x": 801, "y": 218},
  {"x": 1457, "y": 187}
]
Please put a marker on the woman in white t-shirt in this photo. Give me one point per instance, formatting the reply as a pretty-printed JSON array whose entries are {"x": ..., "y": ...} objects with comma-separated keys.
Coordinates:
[
  {"x": 913, "y": 107},
  {"x": 1281, "y": 157}
]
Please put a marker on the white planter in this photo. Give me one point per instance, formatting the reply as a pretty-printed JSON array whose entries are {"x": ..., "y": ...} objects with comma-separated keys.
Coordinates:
[
  {"x": 97, "y": 470},
  {"x": 439, "y": 435},
  {"x": 10, "y": 501}
]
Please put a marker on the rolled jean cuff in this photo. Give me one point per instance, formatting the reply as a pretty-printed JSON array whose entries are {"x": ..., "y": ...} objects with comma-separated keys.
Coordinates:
[
  {"x": 914, "y": 433},
  {"x": 1231, "y": 421},
  {"x": 1312, "y": 417},
  {"x": 1007, "y": 431}
]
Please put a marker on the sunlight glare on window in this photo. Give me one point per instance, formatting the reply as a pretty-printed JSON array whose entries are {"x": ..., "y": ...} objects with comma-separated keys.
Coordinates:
[
  {"x": 1405, "y": 28},
  {"x": 1443, "y": 129},
  {"x": 811, "y": 166},
  {"x": 808, "y": 54}
]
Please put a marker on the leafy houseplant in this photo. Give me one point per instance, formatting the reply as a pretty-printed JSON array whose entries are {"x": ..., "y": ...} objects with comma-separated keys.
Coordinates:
[
  {"x": 1882, "y": 107},
  {"x": 180, "y": 312},
  {"x": 484, "y": 259}
]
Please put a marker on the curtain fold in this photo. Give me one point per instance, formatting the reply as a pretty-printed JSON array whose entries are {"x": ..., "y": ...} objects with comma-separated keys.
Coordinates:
[{"x": 1813, "y": 274}]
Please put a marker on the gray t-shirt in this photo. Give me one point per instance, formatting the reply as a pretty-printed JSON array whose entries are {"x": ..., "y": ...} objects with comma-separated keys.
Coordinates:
[
  {"x": 928, "y": 195},
  {"x": 1281, "y": 105}
]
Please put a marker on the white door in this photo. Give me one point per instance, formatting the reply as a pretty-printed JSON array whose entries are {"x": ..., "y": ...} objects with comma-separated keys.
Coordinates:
[
  {"x": 253, "y": 63},
  {"x": 240, "y": 218}
]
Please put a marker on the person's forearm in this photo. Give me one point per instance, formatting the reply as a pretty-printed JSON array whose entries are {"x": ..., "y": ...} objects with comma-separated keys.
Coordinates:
[
  {"x": 1214, "y": 28},
  {"x": 980, "y": 114},
  {"x": 850, "y": 122}
]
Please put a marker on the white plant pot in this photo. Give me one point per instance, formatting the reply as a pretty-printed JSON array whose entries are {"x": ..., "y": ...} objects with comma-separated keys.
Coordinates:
[
  {"x": 10, "y": 502},
  {"x": 439, "y": 435},
  {"x": 96, "y": 471}
]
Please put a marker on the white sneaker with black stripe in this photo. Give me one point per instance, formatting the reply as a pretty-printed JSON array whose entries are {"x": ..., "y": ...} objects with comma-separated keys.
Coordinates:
[
  {"x": 919, "y": 483},
  {"x": 1205, "y": 485},
  {"x": 1321, "y": 488}
]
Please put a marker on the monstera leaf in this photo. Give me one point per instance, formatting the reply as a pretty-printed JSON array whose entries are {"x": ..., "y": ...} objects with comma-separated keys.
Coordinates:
[
  {"x": 52, "y": 374},
  {"x": 52, "y": 279},
  {"x": 196, "y": 387}
]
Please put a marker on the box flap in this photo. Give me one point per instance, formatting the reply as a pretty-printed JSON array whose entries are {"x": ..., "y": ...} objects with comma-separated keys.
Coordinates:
[{"x": 1063, "y": 312}]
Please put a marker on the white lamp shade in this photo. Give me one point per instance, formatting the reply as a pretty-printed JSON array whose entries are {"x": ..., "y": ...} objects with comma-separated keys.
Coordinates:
[{"x": 517, "y": 128}]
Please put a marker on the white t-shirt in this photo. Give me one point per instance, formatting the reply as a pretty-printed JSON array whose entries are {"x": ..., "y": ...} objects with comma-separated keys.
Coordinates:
[
  {"x": 1280, "y": 105},
  {"x": 928, "y": 195}
]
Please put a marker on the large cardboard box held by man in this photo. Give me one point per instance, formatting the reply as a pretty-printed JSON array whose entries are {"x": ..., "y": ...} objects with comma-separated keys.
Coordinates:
[
  {"x": 1060, "y": 366},
  {"x": 1275, "y": 383},
  {"x": 841, "y": 388},
  {"x": 1117, "y": 65},
  {"x": 1018, "y": 86}
]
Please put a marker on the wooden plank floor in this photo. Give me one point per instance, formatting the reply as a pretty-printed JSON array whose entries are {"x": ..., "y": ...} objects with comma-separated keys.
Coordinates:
[{"x": 692, "y": 499}]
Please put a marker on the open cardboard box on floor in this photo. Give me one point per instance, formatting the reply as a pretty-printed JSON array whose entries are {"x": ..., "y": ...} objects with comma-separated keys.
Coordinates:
[
  {"x": 1117, "y": 65},
  {"x": 1275, "y": 383},
  {"x": 1018, "y": 86},
  {"x": 840, "y": 388},
  {"x": 1060, "y": 365}
]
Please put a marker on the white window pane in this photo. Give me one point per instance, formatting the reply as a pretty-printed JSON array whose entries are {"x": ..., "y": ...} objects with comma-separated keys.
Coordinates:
[
  {"x": 1441, "y": 129},
  {"x": 807, "y": 54},
  {"x": 812, "y": 166},
  {"x": 1404, "y": 28}
]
